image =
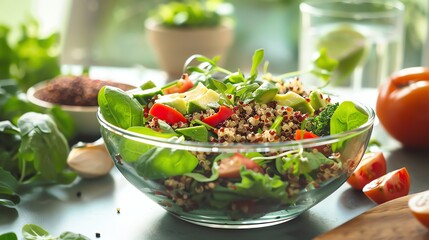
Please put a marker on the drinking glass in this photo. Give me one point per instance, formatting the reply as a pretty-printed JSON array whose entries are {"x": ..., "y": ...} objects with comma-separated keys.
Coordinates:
[{"x": 364, "y": 36}]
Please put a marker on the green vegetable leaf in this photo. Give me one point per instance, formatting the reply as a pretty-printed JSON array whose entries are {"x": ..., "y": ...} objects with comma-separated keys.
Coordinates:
[
  {"x": 34, "y": 232},
  {"x": 159, "y": 163},
  {"x": 320, "y": 124},
  {"x": 118, "y": 108},
  {"x": 347, "y": 117},
  {"x": 39, "y": 133},
  {"x": 301, "y": 163},
  {"x": 254, "y": 185},
  {"x": 72, "y": 236},
  {"x": 258, "y": 56},
  {"x": 8, "y": 236}
]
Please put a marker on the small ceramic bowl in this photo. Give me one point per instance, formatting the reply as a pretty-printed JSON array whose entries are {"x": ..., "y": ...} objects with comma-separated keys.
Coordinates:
[{"x": 84, "y": 117}]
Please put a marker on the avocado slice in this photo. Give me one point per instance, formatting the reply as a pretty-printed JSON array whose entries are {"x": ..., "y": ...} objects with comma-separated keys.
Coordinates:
[
  {"x": 175, "y": 101},
  {"x": 179, "y": 101},
  {"x": 203, "y": 102},
  {"x": 143, "y": 96},
  {"x": 316, "y": 99},
  {"x": 147, "y": 85},
  {"x": 295, "y": 101},
  {"x": 265, "y": 93},
  {"x": 196, "y": 133}
]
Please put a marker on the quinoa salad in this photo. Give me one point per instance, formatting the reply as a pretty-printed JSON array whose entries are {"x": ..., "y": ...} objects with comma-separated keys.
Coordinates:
[{"x": 230, "y": 109}]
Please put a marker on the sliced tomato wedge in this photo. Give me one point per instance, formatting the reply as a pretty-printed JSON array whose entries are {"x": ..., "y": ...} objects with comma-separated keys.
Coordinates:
[
  {"x": 303, "y": 134},
  {"x": 419, "y": 206},
  {"x": 223, "y": 114},
  {"x": 230, "y": 167},
  {"x": 180, "y": 86},
  {"x": 393, "y": 185},
  {"x": 167, "y": 113},
  {"x": 372, "y": 166}
]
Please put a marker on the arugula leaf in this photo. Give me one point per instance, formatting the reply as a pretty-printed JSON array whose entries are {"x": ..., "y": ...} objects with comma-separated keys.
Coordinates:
[
  {"x": 159, "y": 163},
  {"x": 258, "y": 56},
  {"x": 254, "y": 185},
  {"x": 302, "y": 163}
]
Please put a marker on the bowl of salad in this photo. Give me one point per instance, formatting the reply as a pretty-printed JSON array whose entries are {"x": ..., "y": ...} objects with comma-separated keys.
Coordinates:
[{"x": 222, "y": 149}]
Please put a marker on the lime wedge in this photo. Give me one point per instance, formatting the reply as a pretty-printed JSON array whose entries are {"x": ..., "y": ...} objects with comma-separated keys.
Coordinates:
[{"x": 348, "y": 47}]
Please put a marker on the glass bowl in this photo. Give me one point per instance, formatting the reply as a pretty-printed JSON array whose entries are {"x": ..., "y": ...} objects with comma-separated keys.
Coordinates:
[{"x": 255, "y": 201}]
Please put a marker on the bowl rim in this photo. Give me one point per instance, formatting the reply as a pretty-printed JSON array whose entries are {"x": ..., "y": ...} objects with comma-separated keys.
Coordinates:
[
  {"x": 243, "y": 147},
  {"x": 69, "y": 108}
]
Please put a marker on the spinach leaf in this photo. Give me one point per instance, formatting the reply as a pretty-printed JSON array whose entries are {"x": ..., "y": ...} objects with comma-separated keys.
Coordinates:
[
  {"x": 159, "y": 163},
  {"x": 346, "y": 117},
  {"x": 39, "y": 133},
  {"x": 35, "y": 232},
  {"x": 118, "y": 108},
  {"x": 131, "y": 150},
  {"x": 8, "y": 186},
  {"x": 8, "y": 236}
]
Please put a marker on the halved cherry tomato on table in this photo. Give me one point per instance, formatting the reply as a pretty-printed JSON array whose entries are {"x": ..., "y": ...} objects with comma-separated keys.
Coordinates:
[
  {"x": 223, "y": 114},
  {"x": 372, "y": 166},
  {"x": 419, "y": 206},
  {"x": 402, "y": 106},
  {"x": 393, "y": 185},
  {"x": 167, "y": 113},
  {"x": 230, "y": 167},
  {"x": 179, "y": 86},
  {"x": 303, "y": 134}
]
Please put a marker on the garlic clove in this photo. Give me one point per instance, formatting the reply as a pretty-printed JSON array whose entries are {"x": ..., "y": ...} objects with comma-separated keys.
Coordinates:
[{"x": 90, "y": 160}]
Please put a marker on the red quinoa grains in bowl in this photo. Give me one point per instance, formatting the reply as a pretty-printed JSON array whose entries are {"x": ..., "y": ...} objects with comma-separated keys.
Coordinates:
[
  {"x": 75, "y": 90},
  {"x": 76, "y": 95},
  {"x": 234, "y": 151}
]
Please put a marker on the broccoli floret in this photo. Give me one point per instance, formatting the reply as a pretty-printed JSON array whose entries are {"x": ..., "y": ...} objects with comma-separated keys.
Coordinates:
[{"x": 320, "y": 124}]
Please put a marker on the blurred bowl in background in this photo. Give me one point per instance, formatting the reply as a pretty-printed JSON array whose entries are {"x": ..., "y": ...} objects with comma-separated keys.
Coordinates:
[{"x": 76, "y": 97}]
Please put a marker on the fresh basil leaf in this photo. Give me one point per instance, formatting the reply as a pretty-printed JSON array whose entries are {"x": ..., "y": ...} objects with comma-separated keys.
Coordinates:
[
  {"x": 118, "y": 108},
  {"x": 159, "y": 163}
]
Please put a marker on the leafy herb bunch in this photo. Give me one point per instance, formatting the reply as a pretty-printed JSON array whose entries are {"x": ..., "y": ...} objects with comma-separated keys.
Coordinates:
[{"x": 192, "y": 13}]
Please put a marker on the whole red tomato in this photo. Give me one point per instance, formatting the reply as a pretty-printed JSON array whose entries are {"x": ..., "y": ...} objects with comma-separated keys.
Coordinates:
[{"x": 403, "y": 107}]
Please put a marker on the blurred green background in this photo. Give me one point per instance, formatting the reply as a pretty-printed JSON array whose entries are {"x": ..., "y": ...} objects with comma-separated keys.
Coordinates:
[{"x": 111, "y": 32}]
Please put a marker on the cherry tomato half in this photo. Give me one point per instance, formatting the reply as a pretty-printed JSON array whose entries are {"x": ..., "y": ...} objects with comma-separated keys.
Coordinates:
[
  {"x": 180, "y": 86},
  {"x": 402, "y": 107},
  {"x": 419, "y": 206},
  {"x": 230, "y": 167},
  {"x": 372, "y": 166},
  {"x": 393, "y": 185}
]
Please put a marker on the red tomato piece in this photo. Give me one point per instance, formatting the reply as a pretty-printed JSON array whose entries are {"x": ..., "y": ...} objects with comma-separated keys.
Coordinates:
[
  {"x": 230, "y": 167},
  {"x": 223, "y": 114},
  {"x": 303, "y": 134},
  {"x": 167, "y": 114},
  {"x": 419, "y": 206},
  {"x": 180, "y": 86},
  {"x": 372, "y": 166},
  {"x": 393, "y": 185}
]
